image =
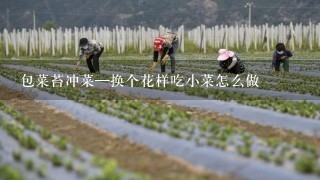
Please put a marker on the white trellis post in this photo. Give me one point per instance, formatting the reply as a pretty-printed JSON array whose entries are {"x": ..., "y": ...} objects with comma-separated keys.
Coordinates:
[
  {"x": 203, "y": 40},
  {"x": 318, "y": 34},
  {"x": 118, "y": 40},
  {"x": 311, "y": 35},
  {"x": 0, "y": 38},
  {"x": 247, "y": 37},
  {"x": 255, "y": 35},
  {"x": 268, "y": 37},
  {"x": 292, "y": 37},
  {"x": 140, "y": 39},
  {"x": 76, "y": 40},
  {"x": 13, "y": 40},
  {"x": 30, "y": 39},
  {"x": 40, "y": 42},
  {"x": 123, "y": 39},
  {"x": 182, "y": 39},
  {"x": 6, "y": 40}
]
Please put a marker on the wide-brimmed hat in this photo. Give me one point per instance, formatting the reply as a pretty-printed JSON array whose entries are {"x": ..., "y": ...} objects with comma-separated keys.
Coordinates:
[{"x": 224, "y": 54}]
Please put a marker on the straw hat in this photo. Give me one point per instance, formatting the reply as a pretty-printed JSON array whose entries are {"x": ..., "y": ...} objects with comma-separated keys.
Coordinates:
[{"x": 224, "y": 54}]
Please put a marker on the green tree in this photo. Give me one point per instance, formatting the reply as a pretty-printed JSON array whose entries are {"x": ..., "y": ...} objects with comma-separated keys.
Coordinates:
[{"x": 48, "y": 25}]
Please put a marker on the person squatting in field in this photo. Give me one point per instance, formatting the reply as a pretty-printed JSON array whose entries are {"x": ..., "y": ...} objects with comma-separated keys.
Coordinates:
[
  {"x": 92, "y": 49},
  {"x": 281, "y": 55},
  {"x": 165, "y": 45},
  {"x": 229, "y": 62}
]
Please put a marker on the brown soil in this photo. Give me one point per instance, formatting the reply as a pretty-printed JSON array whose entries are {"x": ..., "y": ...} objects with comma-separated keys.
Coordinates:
[{"x": 130, "y": 156}]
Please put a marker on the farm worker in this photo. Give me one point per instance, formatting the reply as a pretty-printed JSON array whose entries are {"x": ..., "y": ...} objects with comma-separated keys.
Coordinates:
[
  {"x": 281, "y": 55},
  {"x": 165, "y": 45},
  {"x": 92, "y": 49},
  {"x": 229, "y": 62}
]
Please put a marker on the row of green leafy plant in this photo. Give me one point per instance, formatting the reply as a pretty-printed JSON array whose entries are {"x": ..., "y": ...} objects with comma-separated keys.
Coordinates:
[
  {"x": 293, "y": 83},
  {"x": 303, "y": 108},
  {"x": 9, "y": 172},
  {"x": 180, "y": 124},
  {"x": 207, "y": 68},
  {"x": 202, "y": 69},
  {"x": 198, "y": 66},
  {"x": 299, "y": 84},
  {"x": 303, "y": 84},
  {"x": 206, "y": 62},
  {"x": 108, "y": 168}
]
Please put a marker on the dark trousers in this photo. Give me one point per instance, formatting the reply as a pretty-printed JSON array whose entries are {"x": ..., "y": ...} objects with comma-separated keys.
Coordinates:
[
  {"x": 171, "y": 53},
  {"x": 285, "y": 63},
  {"x": 93, "y": 62}
]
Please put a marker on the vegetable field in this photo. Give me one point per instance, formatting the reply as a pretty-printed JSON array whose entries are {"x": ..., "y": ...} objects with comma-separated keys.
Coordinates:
[{"x": 126, "y": 123}]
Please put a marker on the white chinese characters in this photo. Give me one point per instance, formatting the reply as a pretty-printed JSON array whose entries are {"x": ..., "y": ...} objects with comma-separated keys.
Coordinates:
[{"x": 146, "y": 81}]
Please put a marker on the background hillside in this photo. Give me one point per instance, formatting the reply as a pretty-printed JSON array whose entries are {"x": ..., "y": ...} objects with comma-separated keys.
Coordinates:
[{"x": 151, "y": 13}]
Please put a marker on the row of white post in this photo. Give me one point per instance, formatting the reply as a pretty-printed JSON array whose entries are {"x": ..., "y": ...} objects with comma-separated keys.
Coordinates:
[
  {"x": 37, "y": 42},
  {"x": 262, "y": 37},
  {"x": 66, "y": 41}
]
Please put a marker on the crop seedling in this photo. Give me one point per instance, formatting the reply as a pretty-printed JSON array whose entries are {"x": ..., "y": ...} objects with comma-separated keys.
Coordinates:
[
  {"x": 75, "y": 152},
  {"x": 29, "y": 164},
  {"x": 54, "y": 140},
  {"x": 42, "y": 171},
  {"x": 110, "y": 171},
  {"x": 305, "y": 164},
  {"x": 174, "y": 133},
  {"x": 69, "y": 165},
  {"x": 232, "y": 141},
  {"x": 98, "y": 161},
  {"x": 272, "y": 142},
  {"x": 80, "y": 170},
  {"x": 197, "y": 141},
  {"x": 263, "y": 155},
  {"x": 16, "y": 155},
  {"x": 291, "y": 155},
  {"x": 244, "y": 150},
  {"x": 44, "y": 133},
  {"x": 284, "y": 150},
  {"x": 222, "y": 145},
  {"x": 211, "y": 143},
  {"x": 310, "y": 148},
  {"x": 8, "y": 172},
  {"x": 247, "y": 139},
  {"x": 222, "y": 136},
  {"x": 56, "y": 160},
  {"x": 62, "y": 144},
  {"x": 317, "y": 171},
  {"x": 29, "y": 142},
  {"x": 279, "y": 160},
  {"x": 42, "y": 153}
]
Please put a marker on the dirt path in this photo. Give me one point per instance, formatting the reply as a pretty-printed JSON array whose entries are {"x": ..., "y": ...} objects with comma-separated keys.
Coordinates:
[{"x": 130, "y": 156}]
